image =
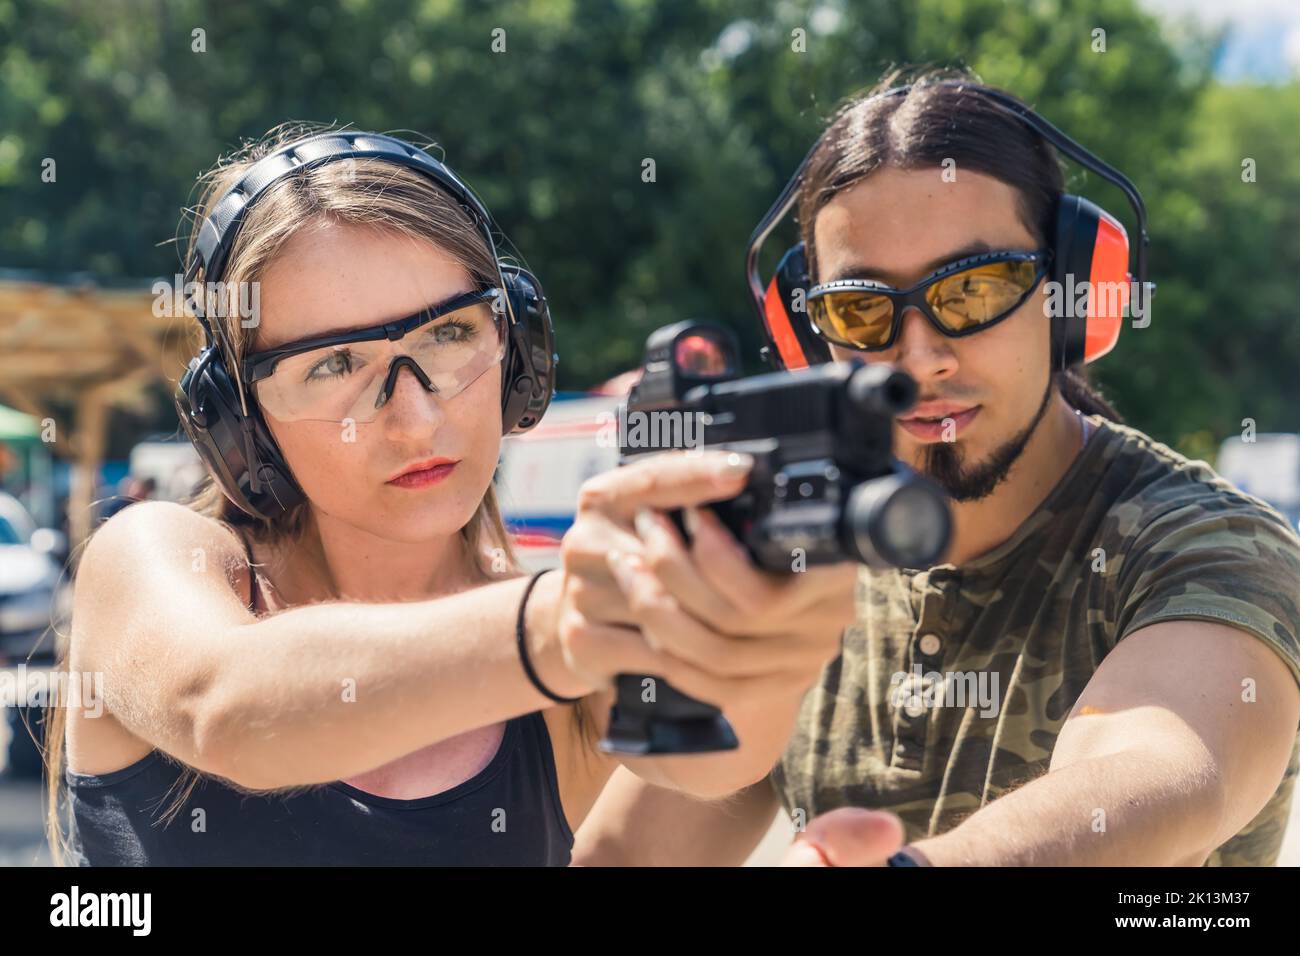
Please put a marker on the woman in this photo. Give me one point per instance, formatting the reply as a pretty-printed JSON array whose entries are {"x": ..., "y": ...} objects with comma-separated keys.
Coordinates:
[{"x": 364, "y": 676}]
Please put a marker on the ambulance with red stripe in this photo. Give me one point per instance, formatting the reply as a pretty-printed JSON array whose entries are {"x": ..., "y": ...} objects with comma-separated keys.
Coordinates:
[{"x": 540, "y": 471}]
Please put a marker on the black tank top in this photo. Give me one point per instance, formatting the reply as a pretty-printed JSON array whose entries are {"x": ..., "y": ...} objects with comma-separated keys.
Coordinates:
[{"x": 509, "y": 814}]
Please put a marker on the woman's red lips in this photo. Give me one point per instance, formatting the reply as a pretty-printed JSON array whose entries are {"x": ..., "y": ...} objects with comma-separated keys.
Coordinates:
[{"x": 421, "y": 473}]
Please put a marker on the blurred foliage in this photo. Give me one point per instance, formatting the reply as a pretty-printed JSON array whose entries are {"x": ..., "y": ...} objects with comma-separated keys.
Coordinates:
[{"x": 553, "y": 133}]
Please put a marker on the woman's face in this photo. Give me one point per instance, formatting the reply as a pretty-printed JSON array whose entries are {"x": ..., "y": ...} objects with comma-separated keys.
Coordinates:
[{"x": 332, "y": 277}]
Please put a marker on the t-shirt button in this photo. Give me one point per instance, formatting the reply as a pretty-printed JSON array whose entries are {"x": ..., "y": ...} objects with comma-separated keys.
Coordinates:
[{"x": 930, "y": 644}]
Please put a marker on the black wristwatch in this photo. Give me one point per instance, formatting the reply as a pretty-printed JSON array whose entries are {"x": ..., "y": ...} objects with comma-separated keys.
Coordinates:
[{"x": 902, "y": 859}]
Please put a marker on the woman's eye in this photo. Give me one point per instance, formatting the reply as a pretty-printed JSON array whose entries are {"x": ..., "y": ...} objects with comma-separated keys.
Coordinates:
[
  {"x": 335, "y": 365},
  {"x": 454, "y": 331}
]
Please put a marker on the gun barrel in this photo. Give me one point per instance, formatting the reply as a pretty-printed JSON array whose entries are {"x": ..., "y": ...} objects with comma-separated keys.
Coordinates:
[
  {"x": 881, "y": 389},
  {"x": 900, "y": 519}
]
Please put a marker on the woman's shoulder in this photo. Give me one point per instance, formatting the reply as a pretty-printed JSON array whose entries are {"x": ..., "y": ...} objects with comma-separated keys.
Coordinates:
[
  {"x": 153, "y": 536},
  {"x": 159, "y": 524},
  {"x": 149, "y": 578}
]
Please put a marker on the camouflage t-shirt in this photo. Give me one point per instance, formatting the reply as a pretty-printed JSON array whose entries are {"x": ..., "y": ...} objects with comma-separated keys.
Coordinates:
[{"x": 953, "y": 684}]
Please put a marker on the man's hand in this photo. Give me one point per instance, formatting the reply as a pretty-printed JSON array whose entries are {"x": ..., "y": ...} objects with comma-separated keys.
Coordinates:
[
  {"x": 703, "y": 617},
  {"x": 847, "y": 837}
]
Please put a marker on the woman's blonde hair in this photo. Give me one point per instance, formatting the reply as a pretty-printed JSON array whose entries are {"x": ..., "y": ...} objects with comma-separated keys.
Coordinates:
[{"x": 361, "y": 192}]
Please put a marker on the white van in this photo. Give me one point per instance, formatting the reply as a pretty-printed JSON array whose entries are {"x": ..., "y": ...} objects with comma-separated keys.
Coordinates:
[
  {"x": 1268, "y": 468},
  {"x": 541, "y": 471},
  {"x": 174, "y": 466}
]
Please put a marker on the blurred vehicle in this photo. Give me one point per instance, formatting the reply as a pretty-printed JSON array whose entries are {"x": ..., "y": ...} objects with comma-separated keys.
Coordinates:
[
  {"x": 1268, "y": 468},
  {"x": 173, "y": 466},
  {"x": 31, "y": 562},
  {"x": 33, "y": 597},
  {"x": 541, "y": 470},
  {"x": 129, "y": 490}
]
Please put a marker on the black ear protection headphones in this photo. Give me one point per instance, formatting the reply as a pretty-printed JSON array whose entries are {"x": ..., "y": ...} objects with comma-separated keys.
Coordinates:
[
  {"x": 1087, "y": 243},
  {"x": 216, "y": 409}
]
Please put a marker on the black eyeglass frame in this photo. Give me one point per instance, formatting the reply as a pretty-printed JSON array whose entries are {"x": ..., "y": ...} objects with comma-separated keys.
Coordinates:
[
  {"x": 915, "y": 295},
  {"x": 261, "y": 365}
]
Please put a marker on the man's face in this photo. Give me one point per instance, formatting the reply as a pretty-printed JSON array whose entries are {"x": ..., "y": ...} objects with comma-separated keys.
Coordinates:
[{"x": 991, "y": 387}]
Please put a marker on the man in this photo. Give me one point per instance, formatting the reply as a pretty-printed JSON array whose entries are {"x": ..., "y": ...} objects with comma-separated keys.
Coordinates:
[{"x": 1104, "y": 669}]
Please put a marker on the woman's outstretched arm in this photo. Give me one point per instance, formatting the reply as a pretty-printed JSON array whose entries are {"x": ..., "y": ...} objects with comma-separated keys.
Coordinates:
[{"x": 311, "y": 694}]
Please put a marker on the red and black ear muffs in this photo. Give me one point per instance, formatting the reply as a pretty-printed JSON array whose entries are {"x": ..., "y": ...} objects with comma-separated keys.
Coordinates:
[
  {"x": 1088, "y": 244},
  {"x": 218, "y": 413},
  {"x": 791, "y": 341}
]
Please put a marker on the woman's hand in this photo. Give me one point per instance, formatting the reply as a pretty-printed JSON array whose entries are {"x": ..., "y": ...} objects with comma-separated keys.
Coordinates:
[{"x": 638, "y": 599}]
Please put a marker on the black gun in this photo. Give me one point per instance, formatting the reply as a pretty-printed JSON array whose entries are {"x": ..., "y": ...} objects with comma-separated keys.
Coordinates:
[{"x": 824, "y": 488}]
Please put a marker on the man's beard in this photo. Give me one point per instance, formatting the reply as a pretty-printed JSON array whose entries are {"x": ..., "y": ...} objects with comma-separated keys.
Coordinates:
[{"x": 943, "y": 462}]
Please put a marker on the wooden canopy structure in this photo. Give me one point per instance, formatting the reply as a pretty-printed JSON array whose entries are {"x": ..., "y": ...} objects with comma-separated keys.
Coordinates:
[{"x": 67, "y": 341}]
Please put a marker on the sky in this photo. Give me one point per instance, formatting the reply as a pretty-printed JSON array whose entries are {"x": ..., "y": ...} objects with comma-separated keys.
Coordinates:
[{"x": 1264, "y": 42}]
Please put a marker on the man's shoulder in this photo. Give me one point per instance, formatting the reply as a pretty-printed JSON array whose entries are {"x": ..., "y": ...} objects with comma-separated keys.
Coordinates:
[
  {"x": 1182, "y": 542},
  {"x": 1149, "y": 488}
]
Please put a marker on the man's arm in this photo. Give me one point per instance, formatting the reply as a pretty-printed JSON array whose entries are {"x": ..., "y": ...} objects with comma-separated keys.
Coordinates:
[
  {"x": 1162, "y": 759},
  {"x": 635, "y": 823}
]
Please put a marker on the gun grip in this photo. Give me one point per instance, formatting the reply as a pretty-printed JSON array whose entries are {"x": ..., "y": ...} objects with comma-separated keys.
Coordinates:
[{"x": 650, "y": 716}]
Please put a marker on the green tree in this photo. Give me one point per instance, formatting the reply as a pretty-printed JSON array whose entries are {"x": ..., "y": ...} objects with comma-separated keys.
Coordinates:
[{"x": 555, "y": 132}]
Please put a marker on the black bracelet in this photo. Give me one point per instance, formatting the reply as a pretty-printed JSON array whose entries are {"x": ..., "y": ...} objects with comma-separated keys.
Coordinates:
[
  {"x": 523, "y": 648},
  {"x": 902, "y": 859}
]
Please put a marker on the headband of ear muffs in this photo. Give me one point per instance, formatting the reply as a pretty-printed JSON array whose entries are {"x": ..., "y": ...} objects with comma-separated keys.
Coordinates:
[
  {"x": 218, "y": 412},
  {"x": 1086, "y": 242}
]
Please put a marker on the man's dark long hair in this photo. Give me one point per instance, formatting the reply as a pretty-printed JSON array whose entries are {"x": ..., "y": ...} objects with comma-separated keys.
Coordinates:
[{"x": 934, "y": 121}]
